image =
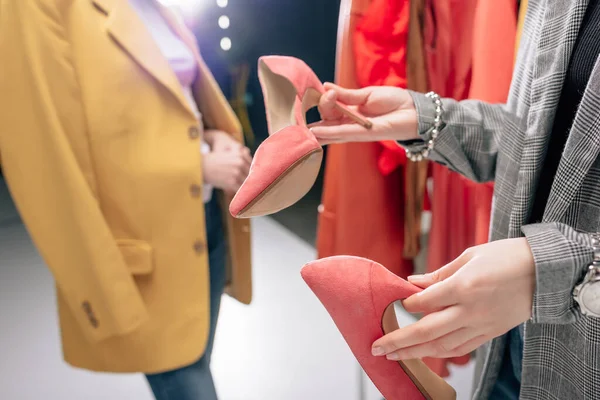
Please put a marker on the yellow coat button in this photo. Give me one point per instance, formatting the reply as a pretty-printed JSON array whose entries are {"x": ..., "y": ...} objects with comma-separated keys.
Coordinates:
[
  {"x": 194, "y": 132},
  {"x": 199, "y": 247},
  {"x": 196, "y": 191}
]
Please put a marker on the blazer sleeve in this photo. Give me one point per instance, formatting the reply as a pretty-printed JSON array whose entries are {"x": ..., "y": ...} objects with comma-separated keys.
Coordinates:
[
  {"x": 47, "y": 164},
  {"x": 561, "y": 256},
  {"x": 469, "y": 142}
]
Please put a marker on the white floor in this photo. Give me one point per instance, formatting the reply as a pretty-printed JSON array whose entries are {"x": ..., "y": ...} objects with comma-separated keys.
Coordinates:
[{"x": 282, "y": 347}]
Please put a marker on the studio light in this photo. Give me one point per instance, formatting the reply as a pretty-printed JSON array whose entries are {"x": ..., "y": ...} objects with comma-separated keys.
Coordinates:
[
  {"x": 226, "y": 44},
  {"x": 190, "y": 10},
  {"x": 224, "y": 22}
]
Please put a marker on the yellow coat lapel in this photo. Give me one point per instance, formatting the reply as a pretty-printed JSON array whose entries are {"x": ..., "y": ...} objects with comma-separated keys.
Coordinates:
[{"x": 128, "y": 30}]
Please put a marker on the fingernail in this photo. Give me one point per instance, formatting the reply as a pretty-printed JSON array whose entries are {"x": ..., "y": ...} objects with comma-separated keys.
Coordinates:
[
  {"x": 418, "y": 279},
  {"x": 393, "y": 356},
  {"x": 377, "y": 351}
]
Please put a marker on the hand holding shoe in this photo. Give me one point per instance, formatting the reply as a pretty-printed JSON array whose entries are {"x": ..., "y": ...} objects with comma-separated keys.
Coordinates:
[
  {"x": 391, "y": 111},
  {"x": 481, "y": 295}
]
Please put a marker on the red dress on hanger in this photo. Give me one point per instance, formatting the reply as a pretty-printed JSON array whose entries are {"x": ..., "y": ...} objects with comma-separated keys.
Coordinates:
[
  {"x": 361, "y": 212},
  {"x": 380, "y": 51},
  {"x": 381, "y": 44}
]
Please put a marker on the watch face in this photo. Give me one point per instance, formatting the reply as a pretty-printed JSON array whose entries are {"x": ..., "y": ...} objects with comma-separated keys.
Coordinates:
[{"x": 590, "y": 297}]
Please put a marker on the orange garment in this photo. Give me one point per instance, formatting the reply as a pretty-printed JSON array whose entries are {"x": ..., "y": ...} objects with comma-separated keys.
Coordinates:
[
  {"x": 449, "y": 33},
  {"x": 448, "y": 37},
  {"x": 416, "y": 173},
  {"x": 494, "y": 39},
  {"x": 380, "y": 48},
  {"x": 380, "y": 51},
  {"x": 486, "y": 53},
  {"x": 361, "y": 212},
  {"x": 380, "y": 44}
]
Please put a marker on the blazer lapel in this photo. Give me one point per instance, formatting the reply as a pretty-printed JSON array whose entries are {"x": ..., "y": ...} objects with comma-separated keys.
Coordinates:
[
  {"x": 127, "y": 29},
  {"x": 550, "y": 67},
  {"x": 581, "y": 151}
]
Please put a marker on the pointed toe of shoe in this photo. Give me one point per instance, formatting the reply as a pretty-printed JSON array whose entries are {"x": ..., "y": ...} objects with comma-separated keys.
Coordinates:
[
  {"x": 284, "y": 169},
  {"x": 236, "y": 206},
  {"x": 311, "y": 272}
]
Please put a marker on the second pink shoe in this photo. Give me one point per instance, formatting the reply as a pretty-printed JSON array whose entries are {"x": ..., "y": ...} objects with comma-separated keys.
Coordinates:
[
  {"x": 287, "y": 163},
  {"x": 359, "y": 295}
]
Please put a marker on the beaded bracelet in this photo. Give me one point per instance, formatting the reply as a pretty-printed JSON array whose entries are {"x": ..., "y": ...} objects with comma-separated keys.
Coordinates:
[{"x": 432, "y": 133}]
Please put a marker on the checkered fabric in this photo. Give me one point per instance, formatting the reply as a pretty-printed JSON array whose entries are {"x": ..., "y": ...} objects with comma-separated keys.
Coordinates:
[{"x": 507, "y": 144}]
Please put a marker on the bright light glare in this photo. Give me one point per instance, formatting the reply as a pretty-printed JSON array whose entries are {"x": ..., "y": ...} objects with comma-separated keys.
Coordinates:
[
  {"x": 224, "y": 22},
  {"x": 226, "y": 44},
  {"x": 222, "y": 3},
  {"x": 186, "y": 7}
]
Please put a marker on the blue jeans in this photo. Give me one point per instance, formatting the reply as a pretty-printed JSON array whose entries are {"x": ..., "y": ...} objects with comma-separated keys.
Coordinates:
[
  {"x": 195, "y": 382},
  {"x": 508, "y": 384}
]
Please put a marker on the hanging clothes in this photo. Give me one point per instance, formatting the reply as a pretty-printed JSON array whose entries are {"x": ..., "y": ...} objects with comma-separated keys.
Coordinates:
[
  {"x": 493, "y": 35},
  {"x": 449, "y": 33},
  {"x": 381, "y": 46},
  {"x": 494, "y": 38},
  {"x": 448, "y": 39},
  {"x": 416, "y": 173},
  {"x": 361, "y": 212},
  {"x": 380, "y": 43}
]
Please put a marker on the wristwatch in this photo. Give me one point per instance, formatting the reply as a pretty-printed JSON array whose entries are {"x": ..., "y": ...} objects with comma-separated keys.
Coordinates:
[{"x": 587, "y": 293}]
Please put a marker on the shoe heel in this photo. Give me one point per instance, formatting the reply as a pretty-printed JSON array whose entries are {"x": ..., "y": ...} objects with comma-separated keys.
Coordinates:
[
  {"x": 291, "y": 73},
  {"x": 285, "y": 166}
]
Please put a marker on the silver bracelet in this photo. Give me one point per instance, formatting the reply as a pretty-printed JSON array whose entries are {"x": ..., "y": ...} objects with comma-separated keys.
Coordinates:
[{"x": 432, "y": 133}]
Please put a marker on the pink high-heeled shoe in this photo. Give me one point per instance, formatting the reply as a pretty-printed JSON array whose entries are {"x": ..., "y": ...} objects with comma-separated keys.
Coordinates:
[
  {"x": 287, "y": 163},
  {"x": 359, "y": 295}
]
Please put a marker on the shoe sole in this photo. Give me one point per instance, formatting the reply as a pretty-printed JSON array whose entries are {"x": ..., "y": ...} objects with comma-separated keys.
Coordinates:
[{"x": 294, "y": 183}]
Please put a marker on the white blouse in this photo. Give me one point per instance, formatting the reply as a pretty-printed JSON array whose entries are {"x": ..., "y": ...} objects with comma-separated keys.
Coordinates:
[{"x": 180, "y": 58}]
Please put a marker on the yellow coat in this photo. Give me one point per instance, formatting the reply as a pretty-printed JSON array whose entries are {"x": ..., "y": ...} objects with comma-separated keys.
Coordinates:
[{"x": 101, "y": 153}]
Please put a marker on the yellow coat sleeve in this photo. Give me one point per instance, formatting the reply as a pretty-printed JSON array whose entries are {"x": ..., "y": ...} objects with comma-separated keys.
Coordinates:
[{"x": 47, "y": 163}]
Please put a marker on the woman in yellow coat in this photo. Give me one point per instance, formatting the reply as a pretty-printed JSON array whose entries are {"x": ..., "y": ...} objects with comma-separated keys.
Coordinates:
[{"x": 104, "y": 108}]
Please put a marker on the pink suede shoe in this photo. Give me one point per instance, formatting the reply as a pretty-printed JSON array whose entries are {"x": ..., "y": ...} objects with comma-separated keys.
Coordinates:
[
  {"x": 359, "y": 295},
  {"x": 287, "y": 163}
]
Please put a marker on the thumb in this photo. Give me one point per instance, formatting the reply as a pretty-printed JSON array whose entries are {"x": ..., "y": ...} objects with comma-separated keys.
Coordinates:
[
  {"x": 350, "y": 97},
  {"x": 426, "y": 280}
]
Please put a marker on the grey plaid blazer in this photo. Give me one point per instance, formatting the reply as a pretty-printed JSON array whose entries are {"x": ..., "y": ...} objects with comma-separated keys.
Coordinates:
[{"x": 507, "y": 144}]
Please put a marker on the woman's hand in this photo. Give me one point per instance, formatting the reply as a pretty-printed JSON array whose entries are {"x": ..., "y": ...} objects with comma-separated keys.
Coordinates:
[
  {"x": 221, "y": 141},
  {"x": 227, "y": 169},
  {"x": 481, "y": 295},
  {"x": 390, "y": 109}
]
